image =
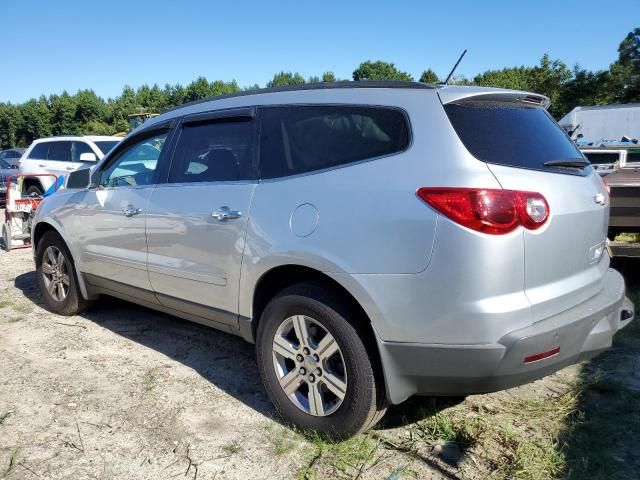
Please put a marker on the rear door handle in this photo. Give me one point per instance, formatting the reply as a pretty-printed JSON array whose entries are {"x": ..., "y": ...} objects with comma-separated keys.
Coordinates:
[
  {"x": 42, "y": 164},
  {"x": 130, "y": 211},
  {"x": 225, "y": 213},
  {"x": 71, "y": 168}
]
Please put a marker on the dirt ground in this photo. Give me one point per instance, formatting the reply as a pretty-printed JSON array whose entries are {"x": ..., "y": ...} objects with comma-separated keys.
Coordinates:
[{"x": 126, "y": 392}]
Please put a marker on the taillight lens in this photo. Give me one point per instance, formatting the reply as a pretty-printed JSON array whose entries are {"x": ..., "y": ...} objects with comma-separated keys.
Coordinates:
[{"x": 491, "y": 211}]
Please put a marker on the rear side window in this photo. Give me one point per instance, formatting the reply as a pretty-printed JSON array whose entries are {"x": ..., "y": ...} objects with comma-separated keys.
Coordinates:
[
  {"x": 511, "y": 134},
  {"x": 60, "y": 151},
  {"x": 604, "y": 158},
  {"x": 299, "y": 139},
  {"x": 40, "y": 151},
  {"x": 214, "y": 151},
  {"x": 13, "y": 154}
]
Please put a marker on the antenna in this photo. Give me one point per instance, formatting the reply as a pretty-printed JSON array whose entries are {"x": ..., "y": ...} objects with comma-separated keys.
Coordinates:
[{"x": 454, "y": 68}]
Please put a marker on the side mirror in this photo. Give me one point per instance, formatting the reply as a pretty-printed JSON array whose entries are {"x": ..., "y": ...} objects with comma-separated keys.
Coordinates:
[
  {"x": 88, "y": 157},
  {"x": 80, "y": 178},
  {"x": 14, "y": 167}
]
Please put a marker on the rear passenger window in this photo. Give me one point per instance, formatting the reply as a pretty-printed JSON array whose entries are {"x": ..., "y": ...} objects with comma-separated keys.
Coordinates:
[
  {"x": 214, "y": 151},
  {"x": 40, "y": 151},
  {"x": 60, "y": 151},
  {"x": 298, "y": 139}
]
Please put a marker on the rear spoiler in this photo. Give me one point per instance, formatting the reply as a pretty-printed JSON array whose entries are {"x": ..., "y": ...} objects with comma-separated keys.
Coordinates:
[{"x": 456, "y": 94}]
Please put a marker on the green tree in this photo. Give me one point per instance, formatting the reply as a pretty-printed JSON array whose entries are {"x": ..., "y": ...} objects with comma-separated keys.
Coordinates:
[
  {"x": 429, "y": 76},
  {"x": 625, "y": 72},
  {"x": 329, "y": 77},
  {"x": 379, "y": 70},
  {"x": 8, "y": 125},
  {"x": 286, "y": 78},
  {"x": 63, "y": 114}
]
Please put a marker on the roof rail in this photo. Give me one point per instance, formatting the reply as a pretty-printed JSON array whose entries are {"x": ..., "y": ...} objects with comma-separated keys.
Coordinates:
[{"x": 313, "y": 86}]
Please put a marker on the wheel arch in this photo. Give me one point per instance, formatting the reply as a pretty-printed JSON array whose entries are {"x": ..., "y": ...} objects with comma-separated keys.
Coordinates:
[{"x": 276, "y": 279}]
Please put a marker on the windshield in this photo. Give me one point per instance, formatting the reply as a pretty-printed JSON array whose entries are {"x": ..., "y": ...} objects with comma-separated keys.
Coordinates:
[
  {"x": 107, "y": 146},
  {"x": 511, "y": 134}
]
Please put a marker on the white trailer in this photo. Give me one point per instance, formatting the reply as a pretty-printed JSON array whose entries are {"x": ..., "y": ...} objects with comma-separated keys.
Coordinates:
[{"x": 603, "y": 123}]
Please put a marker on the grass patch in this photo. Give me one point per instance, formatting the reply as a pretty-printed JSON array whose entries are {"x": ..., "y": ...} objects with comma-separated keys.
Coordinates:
[
  {"x": 4, "y": 416},
  {"x": 24, "y": 308},
  {"x": 628, "y": 237},
  {"x": 17, "y": 318},
  {"x": 341, "y": 460},
  {"x": 232, "y": 448},
  {"x": 150, "y": 379},
  {"x": 13, "y": 461},
  {"x": 6, "y": 303}
]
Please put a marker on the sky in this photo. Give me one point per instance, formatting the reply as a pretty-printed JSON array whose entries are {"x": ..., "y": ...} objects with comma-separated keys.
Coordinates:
[{"x": 47, "y": 46}]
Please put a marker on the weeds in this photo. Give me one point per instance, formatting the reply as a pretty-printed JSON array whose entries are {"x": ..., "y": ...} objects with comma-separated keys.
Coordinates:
[
  {"x": 232, "y": 448},
  {"x": 6, "y": 303},
  {"x": 150, "y": 379},
  {"x": 4, "y": 416}
]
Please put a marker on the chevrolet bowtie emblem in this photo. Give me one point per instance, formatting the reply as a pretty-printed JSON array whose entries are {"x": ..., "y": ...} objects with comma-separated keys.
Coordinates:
[{"x": 599, "y": 198}]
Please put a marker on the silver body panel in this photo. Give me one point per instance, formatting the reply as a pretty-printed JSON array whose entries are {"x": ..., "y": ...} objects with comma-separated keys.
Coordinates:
[{"x": 420, "y": 277}]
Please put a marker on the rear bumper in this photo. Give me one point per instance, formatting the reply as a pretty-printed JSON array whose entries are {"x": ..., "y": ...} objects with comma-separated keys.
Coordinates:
[{"x": 581, "y": 333}]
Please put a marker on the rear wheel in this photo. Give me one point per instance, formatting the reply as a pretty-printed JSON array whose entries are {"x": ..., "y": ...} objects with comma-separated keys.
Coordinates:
[
  {"x": 34, "y": 190},
  {"x": 314, "y": 364},
  {"x": 56, "y": 276}
]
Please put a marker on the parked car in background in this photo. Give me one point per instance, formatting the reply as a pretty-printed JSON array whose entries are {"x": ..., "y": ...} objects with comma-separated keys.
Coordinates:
[
  {"x": 5, "y": 170},
  {"x": 376, "y": 240},
  {"x": 61, "y": 156},
  {"x": 12, "y": 155}
]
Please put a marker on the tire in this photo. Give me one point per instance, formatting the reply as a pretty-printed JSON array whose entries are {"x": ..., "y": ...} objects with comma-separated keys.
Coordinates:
[
  {"x": 6, "y": 236},
  {"x": 72, "y": 302},
  {"x": 312, "y": 307},
  {"x": 34, "y": 190}
]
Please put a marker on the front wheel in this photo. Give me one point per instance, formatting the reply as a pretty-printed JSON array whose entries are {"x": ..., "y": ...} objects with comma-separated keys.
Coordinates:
[
  {"x": 314, "y": 364},
  {"x": 56, "y": 276}
]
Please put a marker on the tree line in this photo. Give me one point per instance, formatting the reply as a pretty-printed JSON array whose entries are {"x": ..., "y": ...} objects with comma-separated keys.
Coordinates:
[{"x": 86, "y": 113}]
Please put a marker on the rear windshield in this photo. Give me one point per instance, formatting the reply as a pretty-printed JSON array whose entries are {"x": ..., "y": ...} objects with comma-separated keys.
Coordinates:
[
  {"x": 605, "y": 158},
  {"x": 511, "y": 134}
]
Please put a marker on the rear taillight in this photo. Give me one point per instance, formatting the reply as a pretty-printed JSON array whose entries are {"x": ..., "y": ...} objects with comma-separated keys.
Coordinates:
[{"x": 491, "y": 211}]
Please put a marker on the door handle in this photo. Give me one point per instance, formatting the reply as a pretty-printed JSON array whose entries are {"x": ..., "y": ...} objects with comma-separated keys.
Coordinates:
[
  {"x": 71, "y": 168},
  {"x": 130, "y": 211},
  {"x": 225, "y": 214},
  {"x": 42, "y": 164}
]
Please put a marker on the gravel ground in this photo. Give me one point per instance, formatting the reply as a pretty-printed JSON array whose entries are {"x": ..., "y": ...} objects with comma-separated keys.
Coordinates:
[{"x": 126, "y": 392}]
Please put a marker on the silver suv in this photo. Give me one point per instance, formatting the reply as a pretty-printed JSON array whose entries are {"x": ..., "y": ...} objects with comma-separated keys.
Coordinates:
[{"x": 374, "y": 240}]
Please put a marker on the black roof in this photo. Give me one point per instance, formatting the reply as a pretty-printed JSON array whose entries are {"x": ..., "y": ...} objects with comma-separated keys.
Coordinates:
[{"x": 313, "y": 86}]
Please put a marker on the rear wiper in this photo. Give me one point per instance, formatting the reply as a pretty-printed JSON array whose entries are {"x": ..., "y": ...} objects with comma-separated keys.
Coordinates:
[{"x": 566, "y": 163}]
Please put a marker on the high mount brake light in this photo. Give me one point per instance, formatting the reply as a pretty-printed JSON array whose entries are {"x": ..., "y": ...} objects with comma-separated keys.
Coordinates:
[{"x": 492, "y": 211}]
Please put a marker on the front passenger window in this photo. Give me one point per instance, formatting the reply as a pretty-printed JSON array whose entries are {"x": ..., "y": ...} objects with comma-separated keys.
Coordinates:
[{"x": 136, "y": 165}]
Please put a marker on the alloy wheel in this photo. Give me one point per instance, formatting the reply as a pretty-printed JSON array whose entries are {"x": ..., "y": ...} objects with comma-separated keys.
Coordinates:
[
  {"x": 309, "y": 365},
  {"x": 55, "y": 273}
]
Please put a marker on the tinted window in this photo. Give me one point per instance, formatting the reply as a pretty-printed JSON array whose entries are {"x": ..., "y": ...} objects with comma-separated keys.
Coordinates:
[
  {"x": 13, "y": 154},
  {"x": 4, "y": 164},
  {"x": 136, "y": 165},
  {"x": 306, "y": 138},
  {"x": 603, "y": 158},
  {"x": 60, "y": 151},
  {"x": 40, "y": 151},
  {"x": 633, "y": 157},
  {"x": 78, "y": 149},
  {"x": 105, "y": 147},
  {"x": 215, "y": 151},
  {"x": 510, "y": 134}
]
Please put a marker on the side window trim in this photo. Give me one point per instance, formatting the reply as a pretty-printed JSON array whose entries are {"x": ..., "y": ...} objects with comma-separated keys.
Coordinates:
[
  {"x": 124, "y": 146},
  {"x": 213, "y": 115}
]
